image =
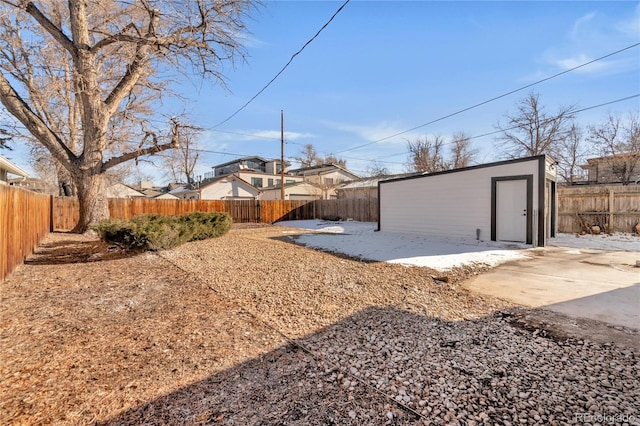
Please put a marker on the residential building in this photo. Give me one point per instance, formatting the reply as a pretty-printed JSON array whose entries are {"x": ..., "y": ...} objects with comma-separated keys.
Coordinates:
[
  {"x": 623, "y": 169},
  {"x": 365, "y": 188},
  {"x": 293, "y": 191},
  {"x": 257, "y": 171},
  {"x": 229, "y": 187},
  {"x": 120, "y": 190},
  {"x": 8, "y": 168},
  {"x": 36, "y": 185},
  {"x": 358, "y": 189},
  {"x": 326, "y": 177}
]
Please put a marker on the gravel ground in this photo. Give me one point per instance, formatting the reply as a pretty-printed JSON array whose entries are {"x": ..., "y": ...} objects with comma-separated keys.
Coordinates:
[{"x": 251, "y": 329}]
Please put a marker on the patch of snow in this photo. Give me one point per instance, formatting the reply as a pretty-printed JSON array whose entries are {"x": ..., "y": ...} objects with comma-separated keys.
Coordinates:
[
  {"x": 573, "y": 252},
  {"x": 613, "y": 242},
  {"x": 360, "y": 240}
]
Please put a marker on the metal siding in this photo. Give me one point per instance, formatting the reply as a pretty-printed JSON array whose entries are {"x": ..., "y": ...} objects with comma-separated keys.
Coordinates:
[{"x": 452, "y": 204}]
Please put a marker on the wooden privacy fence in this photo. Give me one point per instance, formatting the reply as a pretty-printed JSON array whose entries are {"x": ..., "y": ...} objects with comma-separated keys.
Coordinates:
[
  {"x": 613, "y": 208},
  {"x": 65, "y": 214},
  {"x": 25, "y": 218}
]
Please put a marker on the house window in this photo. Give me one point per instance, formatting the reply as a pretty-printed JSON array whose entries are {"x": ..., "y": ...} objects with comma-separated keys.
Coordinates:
[
  {"x": 328, "y": 181},
  {"x": 270, "y": 182},
  {"x": 257, "y": 182}
]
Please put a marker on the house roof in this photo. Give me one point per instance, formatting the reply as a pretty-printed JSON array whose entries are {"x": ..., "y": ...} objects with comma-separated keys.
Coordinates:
[
  {"x": 608, "y": 157},
  {"x": 319, "y": 167},
  {"x": 213, "y": 181},
  {"x": 120, "y": 190},
  {"x": 370, "y": 182},
  {"x": 166, "y": 196},
  {"x": 362, "y": 183},
  {"x": 546, "y": 158},
  {"x": 237, "y": 160},
  {"x": 12, "y": 168},
  {"x": 286, "y": 185}
]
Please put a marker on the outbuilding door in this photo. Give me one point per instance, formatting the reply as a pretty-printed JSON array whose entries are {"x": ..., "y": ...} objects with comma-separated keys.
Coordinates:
[
  {"x": 512, "y": 210},
  {"x": 512, "y": 203}
]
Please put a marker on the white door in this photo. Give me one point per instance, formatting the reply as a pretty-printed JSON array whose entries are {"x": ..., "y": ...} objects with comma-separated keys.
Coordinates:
[{"x": 511, "y": 210}]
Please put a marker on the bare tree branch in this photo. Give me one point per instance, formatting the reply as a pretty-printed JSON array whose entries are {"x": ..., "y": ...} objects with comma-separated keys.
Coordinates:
[
  {"x": 531, "y": 131},
  {"x": 20, "y": 110},
  {"x": 53, "y": 30},
  {"x": 84, "y": 76}
]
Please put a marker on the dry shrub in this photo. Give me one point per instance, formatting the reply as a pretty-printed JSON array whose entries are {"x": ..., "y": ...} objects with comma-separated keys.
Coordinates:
[{"x": 159, "y": 232}]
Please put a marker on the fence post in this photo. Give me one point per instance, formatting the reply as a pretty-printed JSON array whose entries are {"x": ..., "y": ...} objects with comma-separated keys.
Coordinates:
[
  {"x": 51, "y": 227},
  {"x": 611, "y": 209}
]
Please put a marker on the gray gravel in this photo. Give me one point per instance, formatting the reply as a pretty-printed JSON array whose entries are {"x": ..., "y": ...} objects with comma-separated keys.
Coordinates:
[{"x": 400, "y": 348}]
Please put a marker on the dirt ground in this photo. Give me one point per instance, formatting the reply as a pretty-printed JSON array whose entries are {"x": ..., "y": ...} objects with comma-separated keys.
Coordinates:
[{"x": 252, "y": 329}]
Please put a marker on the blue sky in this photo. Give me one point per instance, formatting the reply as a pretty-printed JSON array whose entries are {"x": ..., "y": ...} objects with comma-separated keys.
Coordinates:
[{"x": 383, "y": 67}]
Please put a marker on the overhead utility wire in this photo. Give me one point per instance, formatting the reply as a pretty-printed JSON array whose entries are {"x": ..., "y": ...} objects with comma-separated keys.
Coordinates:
[
  {"x": 492, "y": 99},
  {"x": 285, "y": 67},
  {"x": 515, "y": 127},
  {"x": 446, "y": 143},
  {"x": 551, "y": 119}
]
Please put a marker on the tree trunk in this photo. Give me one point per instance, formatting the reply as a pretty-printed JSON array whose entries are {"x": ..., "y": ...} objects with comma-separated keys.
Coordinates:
[{"x": 92, "y": 199}]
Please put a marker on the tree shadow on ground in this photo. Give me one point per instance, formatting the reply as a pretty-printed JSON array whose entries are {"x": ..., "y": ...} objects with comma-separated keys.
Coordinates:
[
  {"x": 75, "y": 251},
  {"x": 368, "y": 368}
]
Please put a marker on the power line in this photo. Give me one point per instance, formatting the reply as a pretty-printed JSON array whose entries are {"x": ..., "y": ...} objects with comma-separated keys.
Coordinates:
[
  {"x": 242, "y": 134},
  {"x": 285, "y": 67},
  {"x": 512, "y": 128},
  {"x": 492, "y": 99},
  {"x": 445, "y": 143}
]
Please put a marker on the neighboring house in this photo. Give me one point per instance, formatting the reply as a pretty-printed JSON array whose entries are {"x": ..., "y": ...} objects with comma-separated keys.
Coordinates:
[
  {"x": 257, "y": 171},
  {"x": 166, "y": 196},
  {"x": 120, "y": 190},
  {"x": 8, "y": 168},
  {"x": 293, "y": 191},
  {"x": 511, "y": 200},
  {"x": 229, "y": 187},
  {"x": 327, "y": 177},
  {"x": 257, "y": 164},
  {"x": 36, "y": 185},
  {"x": 613, "y": 169},
  {"x": 366, "y": 188}
]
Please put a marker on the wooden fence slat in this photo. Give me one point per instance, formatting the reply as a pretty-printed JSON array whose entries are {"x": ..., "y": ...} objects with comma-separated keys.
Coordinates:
[
  {"x": 618, "y": 207},
  {"x": 25, "y": 218}
]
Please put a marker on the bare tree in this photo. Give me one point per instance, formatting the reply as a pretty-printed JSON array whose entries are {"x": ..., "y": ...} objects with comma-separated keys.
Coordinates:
[
  {"x": 462, "y": 155},
  {"x": 6, "y": 131},
  {"x": 426, "y": 155},
  {"x": 5, "y": 138},
  {"x": 182, "y": 161},
  {"x": 569, "y": 154},
  {"x": 79, "y": 75},
  {"x": 618, "y": 142},
  {"x": 332, "y": 159},
  {"x": 532, "y": 131},
  {"x": 375, "y": 169},
  {"x": 308, "y": 156}
]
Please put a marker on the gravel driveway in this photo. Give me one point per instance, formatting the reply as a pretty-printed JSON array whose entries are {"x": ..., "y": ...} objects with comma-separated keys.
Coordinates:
[{"x": 252, "y": 329}]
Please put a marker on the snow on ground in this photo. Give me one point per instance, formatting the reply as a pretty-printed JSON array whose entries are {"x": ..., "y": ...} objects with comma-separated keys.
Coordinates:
[
  {"x": 613, "y": 242},
  {"x": 360, "y": 240}
]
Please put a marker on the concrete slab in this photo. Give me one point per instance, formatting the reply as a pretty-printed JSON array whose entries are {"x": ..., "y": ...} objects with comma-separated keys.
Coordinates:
[{"x": 599, "y": 285}]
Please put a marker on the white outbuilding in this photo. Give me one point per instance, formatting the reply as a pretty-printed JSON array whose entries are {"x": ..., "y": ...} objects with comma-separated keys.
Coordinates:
[{"x": 513, "y": 200}]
